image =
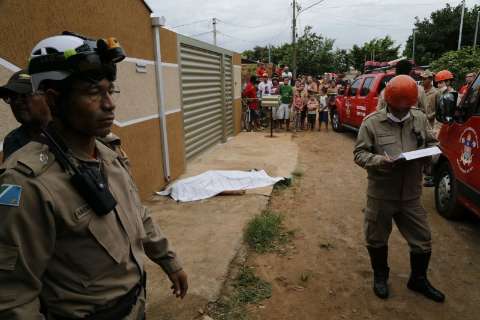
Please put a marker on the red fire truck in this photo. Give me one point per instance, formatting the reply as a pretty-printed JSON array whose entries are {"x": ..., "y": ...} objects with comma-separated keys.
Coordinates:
[
  {"x": 457, "y": 173},
  {"x": 359, "y": 100}
]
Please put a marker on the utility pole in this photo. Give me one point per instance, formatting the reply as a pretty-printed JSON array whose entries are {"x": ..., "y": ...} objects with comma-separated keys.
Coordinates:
[
  {"x": 269, "y": 53},
  {"x": 461, "y": 26},
  {"x": 294, "y": 39},
  {"x": 214, "y": 23},
  {"x": 476, "y": 32},
  {"x": 413, "y": 46}
]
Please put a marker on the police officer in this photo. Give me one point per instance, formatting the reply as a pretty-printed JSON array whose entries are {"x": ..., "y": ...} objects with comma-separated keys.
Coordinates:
[
  {"x": 29, "y": 109},
  {"x": 395, "y": 186},
  {"x": 73, "y": 230}
]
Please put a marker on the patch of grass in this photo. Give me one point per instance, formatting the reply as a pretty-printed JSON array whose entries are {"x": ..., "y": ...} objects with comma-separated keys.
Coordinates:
[
  {"x": 247, "y": 289},
  {"x": 298, "y": 173},
  {"x": 250, "y": 288},
  {"x": 264, "y": 231}
]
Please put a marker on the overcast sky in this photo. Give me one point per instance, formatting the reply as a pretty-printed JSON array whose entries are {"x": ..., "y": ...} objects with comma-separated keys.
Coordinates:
[{"x": 246, "y": 23}]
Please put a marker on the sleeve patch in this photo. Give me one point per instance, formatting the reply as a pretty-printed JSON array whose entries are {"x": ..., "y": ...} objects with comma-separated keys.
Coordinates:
[{"x": 10, "y": 195}]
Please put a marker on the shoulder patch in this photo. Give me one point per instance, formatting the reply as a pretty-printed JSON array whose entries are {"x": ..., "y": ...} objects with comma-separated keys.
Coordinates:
[
  {"x": 34, "y": 160},
  {"x": 10, "y": 195}
]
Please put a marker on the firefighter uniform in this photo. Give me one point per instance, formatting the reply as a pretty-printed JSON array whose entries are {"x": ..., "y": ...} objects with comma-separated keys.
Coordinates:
[
  {"x": 394, "y": 192},
  {"x": 55, "y": 252}
]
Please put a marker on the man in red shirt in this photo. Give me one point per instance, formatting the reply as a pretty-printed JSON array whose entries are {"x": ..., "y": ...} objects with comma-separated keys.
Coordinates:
[
  {"x": 250, "y": 93},
  {"x": 261, "y": 69}
]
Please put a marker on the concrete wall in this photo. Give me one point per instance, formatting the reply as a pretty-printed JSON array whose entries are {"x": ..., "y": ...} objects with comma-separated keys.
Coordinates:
[
  {"x": 237, "y": 93},
  {"x": 24, "y": 23}
]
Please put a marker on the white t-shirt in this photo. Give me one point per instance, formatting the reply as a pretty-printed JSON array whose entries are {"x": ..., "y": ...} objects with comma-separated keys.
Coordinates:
[
  {"x": 264, "y": 88},
  {"x": 289, "y": 75}
]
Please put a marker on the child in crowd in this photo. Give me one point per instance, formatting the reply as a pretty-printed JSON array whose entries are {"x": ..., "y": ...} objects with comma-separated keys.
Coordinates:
[
  {"x": 312, "y": 107},
  {"x": 323, "y": 109},
  {"x": 297, "y": 109}
]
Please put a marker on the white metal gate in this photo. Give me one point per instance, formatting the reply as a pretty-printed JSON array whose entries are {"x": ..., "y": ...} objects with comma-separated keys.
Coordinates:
[
  {"x": 201, "y": 98},
  {"x": 207, "y": 94}
]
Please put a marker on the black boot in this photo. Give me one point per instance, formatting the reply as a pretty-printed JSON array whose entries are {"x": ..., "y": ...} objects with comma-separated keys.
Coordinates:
[
  {"x": 378, "y": 258},
  {"x": 418, "y": 279}
]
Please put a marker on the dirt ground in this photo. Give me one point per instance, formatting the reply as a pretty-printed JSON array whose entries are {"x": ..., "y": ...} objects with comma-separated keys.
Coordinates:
[{"x": 327, "y": 273}]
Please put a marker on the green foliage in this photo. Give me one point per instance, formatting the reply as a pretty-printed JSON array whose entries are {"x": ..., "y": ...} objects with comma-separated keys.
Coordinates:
[
  {"x": 315, "y": 53},
  {"x": 264, "y": 231},
  {"x": 459, "y": 62},
  {"x": 382, "y": 49},
  {"x": 439, "y": 33},
  {"x": 250, "y": 288}
]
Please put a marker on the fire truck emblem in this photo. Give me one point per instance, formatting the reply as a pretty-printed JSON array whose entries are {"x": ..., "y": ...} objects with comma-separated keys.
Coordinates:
[
  {"x": 469, "y": 140},
  {"x": 347, "y": 110}
]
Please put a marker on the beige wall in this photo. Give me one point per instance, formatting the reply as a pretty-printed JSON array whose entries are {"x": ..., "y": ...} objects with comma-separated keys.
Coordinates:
[
  {"x": 142, "y": 142},
  {"x": 237, "y": 76},
  {"x": 138, "y": 96},
  {"x": 237, "y": 116},
  {"x": 237, "y": 93},
  {"x": 23, "y": 23}
]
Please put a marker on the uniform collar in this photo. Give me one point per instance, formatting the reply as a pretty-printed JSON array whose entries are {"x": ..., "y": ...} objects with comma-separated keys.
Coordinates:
[
  {"x": 103, "y": 153},
  {"x": 384, "y": 116}
]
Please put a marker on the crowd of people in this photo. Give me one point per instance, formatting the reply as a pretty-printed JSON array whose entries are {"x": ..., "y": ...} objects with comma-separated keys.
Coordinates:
[{"x": 304, "y": 101}]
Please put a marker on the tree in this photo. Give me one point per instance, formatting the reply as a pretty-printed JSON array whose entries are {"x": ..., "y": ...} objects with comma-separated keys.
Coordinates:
[
  {"x": 382, "y": 49},
  {"x": 341, "y": 60},
  {"x": 458, "y": 62},
  {"x": 439, "y": 33},
  {"x": 314, "y": 53}
]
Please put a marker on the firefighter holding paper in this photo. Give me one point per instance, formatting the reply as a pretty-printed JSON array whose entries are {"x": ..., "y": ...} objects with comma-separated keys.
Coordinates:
[{"x": 395, "y": 185}]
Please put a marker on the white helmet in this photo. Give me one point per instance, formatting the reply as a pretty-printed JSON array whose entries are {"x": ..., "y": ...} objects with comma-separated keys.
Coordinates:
[{"x": 58, "y": 57}]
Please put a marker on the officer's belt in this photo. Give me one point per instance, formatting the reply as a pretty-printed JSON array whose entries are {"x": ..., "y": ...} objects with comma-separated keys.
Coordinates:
[{"x": 118, "y": 310}]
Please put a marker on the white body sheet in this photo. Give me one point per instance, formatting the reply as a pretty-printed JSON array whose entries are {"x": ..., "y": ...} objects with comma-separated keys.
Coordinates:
[{"x": 214, "y": 182}]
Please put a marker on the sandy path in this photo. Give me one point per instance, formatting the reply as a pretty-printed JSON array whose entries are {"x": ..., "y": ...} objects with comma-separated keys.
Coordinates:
[{"x": 325, "y": 208}]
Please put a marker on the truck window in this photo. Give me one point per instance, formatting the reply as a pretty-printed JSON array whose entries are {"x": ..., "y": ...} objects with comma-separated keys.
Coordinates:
[
  {"x": 472, "y": 100},
  {"x": 367, "y": 85},
  {"x": 354, "y": 87},
  {"x": 383, "y": 83}
]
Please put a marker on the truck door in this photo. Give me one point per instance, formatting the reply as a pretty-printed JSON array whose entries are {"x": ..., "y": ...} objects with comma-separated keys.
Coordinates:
[
  {"x": 351, "y": 102},
  {"x": 460, "y": 141},
  {"x": 469, "y": 139},
  {"x": 362, "y": 101}
]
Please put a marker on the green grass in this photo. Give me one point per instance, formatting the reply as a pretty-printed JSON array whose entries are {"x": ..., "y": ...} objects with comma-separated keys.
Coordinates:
[
  {"x": 264, "y": 232},
  {"x": 248, "y": 289}
]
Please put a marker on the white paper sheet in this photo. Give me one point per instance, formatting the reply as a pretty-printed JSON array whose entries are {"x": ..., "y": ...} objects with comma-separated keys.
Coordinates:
[
  {"x": 211, "y": 183},
  {"x": 421, "y": 153}
]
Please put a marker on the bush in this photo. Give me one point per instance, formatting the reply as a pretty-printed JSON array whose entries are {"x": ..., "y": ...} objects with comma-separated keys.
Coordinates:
[{"x": 458, "y": 62}]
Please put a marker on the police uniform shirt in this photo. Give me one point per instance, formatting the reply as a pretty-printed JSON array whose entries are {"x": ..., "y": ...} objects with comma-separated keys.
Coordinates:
[
  {"x": 14, "y": 140},
  {"x": 53, "y": 247}
]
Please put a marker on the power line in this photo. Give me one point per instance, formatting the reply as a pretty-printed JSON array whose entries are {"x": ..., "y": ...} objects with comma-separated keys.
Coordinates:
[
  {"x": 190, "y": 23},
  {"x": 310, "y": 6},
  {"x": 244, "y": 26},
  {"x": 201, "y": 34}
]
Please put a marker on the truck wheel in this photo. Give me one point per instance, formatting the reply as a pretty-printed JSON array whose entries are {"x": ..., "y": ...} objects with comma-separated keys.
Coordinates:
[
  {"x": 336, "y": 124},
  {"x": 446, "y": 193}
]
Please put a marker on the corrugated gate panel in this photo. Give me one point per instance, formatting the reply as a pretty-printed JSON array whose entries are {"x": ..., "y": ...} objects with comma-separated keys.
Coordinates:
[
  {"x": 228, "y": 94},
  {"x": 201, "y": 98}
]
